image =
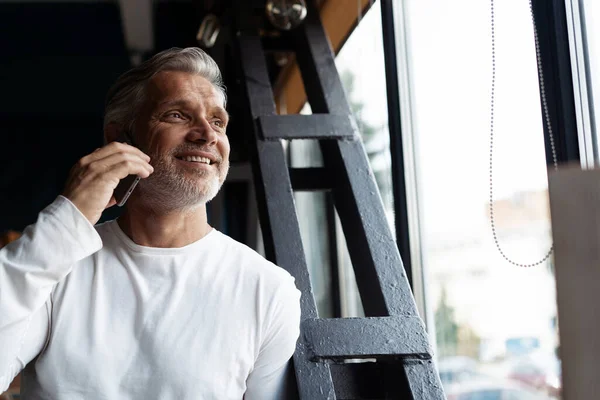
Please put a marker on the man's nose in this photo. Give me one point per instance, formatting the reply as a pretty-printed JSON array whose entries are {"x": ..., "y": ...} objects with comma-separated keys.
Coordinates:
[{"x": 203, "y": 132}]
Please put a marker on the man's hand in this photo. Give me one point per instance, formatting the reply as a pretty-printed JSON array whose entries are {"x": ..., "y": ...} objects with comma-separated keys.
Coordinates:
[{"x": 94, "y": 178}]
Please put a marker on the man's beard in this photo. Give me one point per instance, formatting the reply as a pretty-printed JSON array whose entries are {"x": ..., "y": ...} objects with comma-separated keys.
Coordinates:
[{"x": 172, "y": 187}]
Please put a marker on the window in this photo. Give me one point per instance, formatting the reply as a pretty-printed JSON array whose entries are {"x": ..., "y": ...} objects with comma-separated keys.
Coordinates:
[
  {"x": 479, "y": 306},
  {"x": 483, "y": 395}
]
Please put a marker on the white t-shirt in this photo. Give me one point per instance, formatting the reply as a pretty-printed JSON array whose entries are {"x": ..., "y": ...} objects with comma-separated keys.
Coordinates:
[{"x": 104, "y": 318}]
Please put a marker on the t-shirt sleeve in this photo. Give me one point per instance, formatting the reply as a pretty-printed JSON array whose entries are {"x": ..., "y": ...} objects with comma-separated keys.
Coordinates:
[
  {"x": 268, "y": 378},
  {"x": 30, "y": 267}
]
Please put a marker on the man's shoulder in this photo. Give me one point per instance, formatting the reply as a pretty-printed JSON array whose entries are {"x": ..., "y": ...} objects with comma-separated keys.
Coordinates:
[{"x": 243, "y": 256}]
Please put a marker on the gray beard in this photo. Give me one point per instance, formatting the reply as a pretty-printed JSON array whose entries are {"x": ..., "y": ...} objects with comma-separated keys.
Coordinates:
[{"x": 169, "y": 189}]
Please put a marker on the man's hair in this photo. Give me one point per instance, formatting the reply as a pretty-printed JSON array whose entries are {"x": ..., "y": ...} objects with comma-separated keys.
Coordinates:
[{"x": 127, "y": 94}]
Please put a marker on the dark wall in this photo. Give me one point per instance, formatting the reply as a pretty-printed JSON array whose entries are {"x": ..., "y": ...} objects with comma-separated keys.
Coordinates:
[{"x": 56, "y": 64}]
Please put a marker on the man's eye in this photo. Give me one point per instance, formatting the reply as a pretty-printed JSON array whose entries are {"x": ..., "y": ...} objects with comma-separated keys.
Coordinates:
[
  {"x": 219, "y": 123},
  {"x": 175, "y": 115}
]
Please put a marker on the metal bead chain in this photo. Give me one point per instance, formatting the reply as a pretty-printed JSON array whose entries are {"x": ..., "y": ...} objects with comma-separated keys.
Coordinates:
[{"x": 545, "y": 116}]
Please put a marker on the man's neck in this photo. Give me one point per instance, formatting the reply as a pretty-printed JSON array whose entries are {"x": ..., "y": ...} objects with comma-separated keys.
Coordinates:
[{"x": 148, "y": 227}]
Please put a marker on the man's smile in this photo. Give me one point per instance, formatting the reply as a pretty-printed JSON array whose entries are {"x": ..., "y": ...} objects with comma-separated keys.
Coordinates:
[{"x": 196, "y": 159}]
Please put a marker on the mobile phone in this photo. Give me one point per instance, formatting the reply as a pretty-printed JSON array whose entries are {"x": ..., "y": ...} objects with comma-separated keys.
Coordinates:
[{"x": 127, "y": 184}]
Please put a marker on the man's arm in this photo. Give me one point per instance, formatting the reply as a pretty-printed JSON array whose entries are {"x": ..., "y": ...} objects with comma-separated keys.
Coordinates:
[
  {"x": 30, "y": 267},
  {"x": 64, "y": 234},
  {"x": 267, "y": 381}
]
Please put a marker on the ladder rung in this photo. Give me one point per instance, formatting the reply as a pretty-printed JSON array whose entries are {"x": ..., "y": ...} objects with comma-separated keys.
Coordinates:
[
  {"x": 374, "y": 337},
  {"x": 315, "y": 126}
]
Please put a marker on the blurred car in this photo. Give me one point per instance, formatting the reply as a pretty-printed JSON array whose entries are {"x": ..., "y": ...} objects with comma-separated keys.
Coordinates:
[
  {"x": 493, "y": 390},
  {"x": 539, "y": 371},
  {"x": 458, "y": 369}
]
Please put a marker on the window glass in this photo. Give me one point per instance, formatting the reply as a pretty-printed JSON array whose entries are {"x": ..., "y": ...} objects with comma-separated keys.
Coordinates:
[
  {"x": 488, "y": 316},
  {"x": 483, "y": 395}
]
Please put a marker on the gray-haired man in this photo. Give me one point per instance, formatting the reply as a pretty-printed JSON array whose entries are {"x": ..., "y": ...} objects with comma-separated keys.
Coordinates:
[{"x": 157, "y": 304}]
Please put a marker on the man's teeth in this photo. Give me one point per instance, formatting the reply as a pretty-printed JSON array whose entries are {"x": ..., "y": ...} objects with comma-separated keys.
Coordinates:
[{"x": 196, "y": 159}]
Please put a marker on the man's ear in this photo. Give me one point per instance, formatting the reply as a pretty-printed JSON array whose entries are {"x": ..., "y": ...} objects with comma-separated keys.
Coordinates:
[{"x": 112, "y": 131}]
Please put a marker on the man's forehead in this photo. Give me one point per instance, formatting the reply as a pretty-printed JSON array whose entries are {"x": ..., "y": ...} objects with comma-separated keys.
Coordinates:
[{"x": 169, "y": 86}]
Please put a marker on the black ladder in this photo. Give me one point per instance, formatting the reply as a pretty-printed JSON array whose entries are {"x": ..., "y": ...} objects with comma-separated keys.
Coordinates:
[{"x": 392, "y": 333}]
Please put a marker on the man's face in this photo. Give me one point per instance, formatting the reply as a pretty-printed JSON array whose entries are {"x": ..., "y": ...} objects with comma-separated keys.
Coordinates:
[{"x": 182, "y": 126}]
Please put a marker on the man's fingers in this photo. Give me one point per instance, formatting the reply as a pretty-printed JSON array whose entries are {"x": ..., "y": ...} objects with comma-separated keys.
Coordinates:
[
  {"x": 106, "y": 164},
  {"x": 113, "y": 148},
  {"x": 123, "y": 167}
]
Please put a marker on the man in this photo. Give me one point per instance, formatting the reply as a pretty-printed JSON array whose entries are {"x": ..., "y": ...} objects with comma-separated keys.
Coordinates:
[{"x": 157, "y": 304}]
